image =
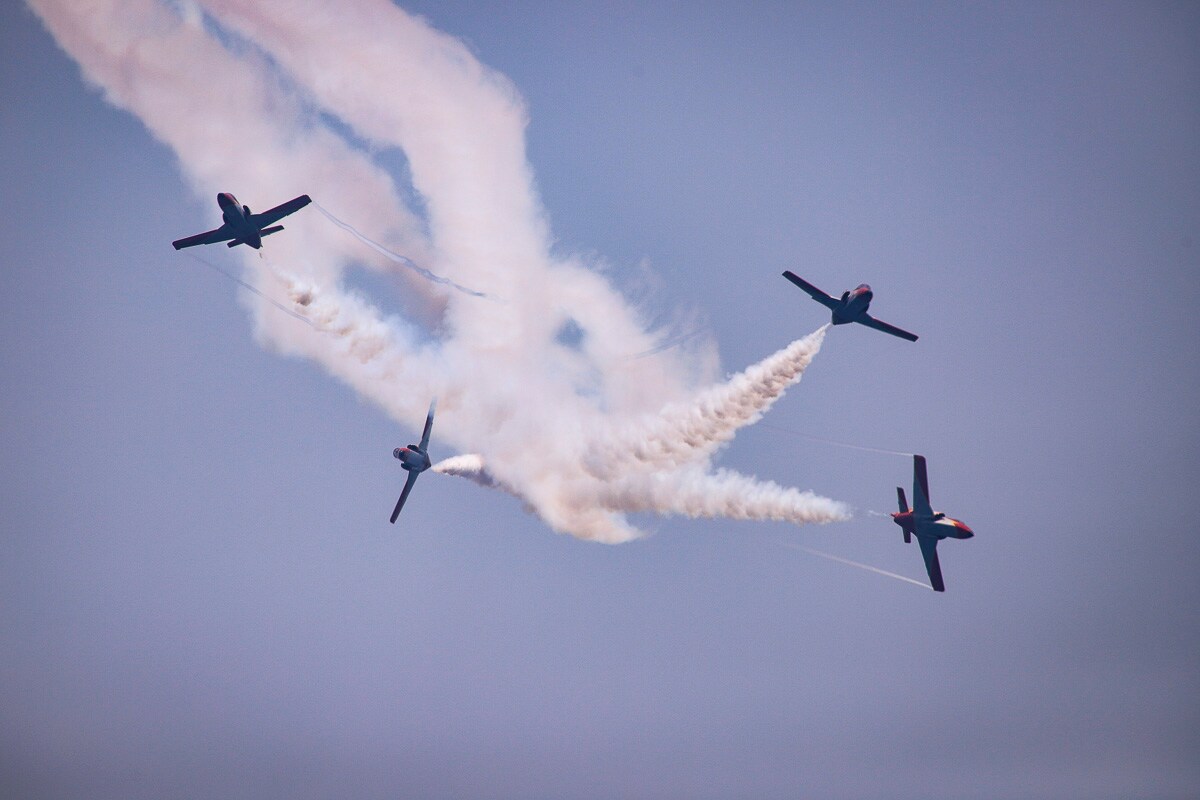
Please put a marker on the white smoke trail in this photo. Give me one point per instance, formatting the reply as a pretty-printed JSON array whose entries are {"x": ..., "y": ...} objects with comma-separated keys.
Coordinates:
[
  {"x": 693, "y": 492},
  {"x": 551, "y": 420},
  {"x": 693, "y": 430},
  {"x": 469, "y": 466},
  {"x": 688, "y": 492}
]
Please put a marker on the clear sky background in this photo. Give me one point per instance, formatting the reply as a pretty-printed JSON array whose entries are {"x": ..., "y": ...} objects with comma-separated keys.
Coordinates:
[{"x": 199, "y": 591}]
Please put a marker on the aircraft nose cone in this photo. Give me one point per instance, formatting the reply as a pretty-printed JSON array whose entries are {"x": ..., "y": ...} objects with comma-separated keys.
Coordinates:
[{"x": 398, "y": 452}]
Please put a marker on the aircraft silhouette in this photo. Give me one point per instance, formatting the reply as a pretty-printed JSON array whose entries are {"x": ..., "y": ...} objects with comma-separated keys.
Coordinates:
[
  {"x": 242, "y": 227},
  {"x": 927, "y": 525},
  {"x": 852, "y": 307},
  {"x": 415, "y": 459}
]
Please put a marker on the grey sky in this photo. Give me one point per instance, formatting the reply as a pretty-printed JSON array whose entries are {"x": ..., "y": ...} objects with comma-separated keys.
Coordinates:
[{"x": 199, "y": 592}]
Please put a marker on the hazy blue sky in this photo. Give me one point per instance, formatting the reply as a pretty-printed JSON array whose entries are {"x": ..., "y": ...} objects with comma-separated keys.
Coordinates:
[{"x": 200, "y": 595}]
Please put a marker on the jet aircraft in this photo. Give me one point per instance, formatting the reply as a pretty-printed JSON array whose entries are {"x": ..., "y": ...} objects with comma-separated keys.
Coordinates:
[
  {"x": 852, "y": 307},
  {"x": 415, "y": 459},
  {"x": 241, "y": 226},
  {"x": 927, "y": 525}
]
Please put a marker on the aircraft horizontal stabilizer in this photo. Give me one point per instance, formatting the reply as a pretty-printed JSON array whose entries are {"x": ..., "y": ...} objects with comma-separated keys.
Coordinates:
[{"x": 270, "y": 230}]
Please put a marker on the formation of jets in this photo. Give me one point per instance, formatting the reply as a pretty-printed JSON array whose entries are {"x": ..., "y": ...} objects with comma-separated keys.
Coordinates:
[
  {"x": 921, "y": 520},
  {"x": 241, "y": 226}
]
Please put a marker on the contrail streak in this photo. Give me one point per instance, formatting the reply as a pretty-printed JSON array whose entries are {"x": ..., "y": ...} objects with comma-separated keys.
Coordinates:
[
  {"x": 254, "y": 290},
  {"x": 673, "y": 341},
  {"x": 395, "y": 257},
  {"x": 834, "y": 442},
  {"x": 848, "y": 562}
]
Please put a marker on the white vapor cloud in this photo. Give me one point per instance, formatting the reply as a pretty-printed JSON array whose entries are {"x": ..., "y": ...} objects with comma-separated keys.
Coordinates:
[{"x": 275, "y": 99}]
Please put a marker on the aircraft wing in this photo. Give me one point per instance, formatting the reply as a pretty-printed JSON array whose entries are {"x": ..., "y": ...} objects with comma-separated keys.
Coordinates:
[
  {"x": 428, "y": 426},
  {"x": 408, "y": 484},
  {"x": 921, "y": 502},
  {"x": 932, "y": 565},
  {"x": 273, "y": 215},
  {"x": 880, "y": 325},
  {"x": 810, "y": 290},
  {"x": 221, "y": 234}
]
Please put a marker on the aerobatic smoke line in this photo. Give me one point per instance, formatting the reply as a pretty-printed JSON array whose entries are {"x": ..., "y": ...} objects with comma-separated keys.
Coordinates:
[
  {"x": 289, "y": 91},
  {"x": 686, "y": 432},
  {"x": 395, "y": 257},
  {"x": 696, "y": 493},
  {"x": 848, "y": 562},
  {"x": 254, "y": 290},
  {"x": 691, "y": 493},
  {"x": 823, "y": 440}
]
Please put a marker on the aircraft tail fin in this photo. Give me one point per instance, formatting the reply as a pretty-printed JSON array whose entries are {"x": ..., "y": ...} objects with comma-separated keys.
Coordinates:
[
  {"x": 903, "y": 503},
  {"x": 270, "y": 230}
]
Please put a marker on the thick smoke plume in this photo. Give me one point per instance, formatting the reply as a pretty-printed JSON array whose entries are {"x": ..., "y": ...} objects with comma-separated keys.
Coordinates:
[{"x": 536, "y": 379}]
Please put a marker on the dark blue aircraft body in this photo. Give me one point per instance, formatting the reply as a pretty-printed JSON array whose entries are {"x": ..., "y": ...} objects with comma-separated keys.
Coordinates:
[
  {"x": 241, "y": 226},
  {"x": 852, "y": 307},
  {"x": 929, "y": 526},
  {"x": 414, "y": 459}
]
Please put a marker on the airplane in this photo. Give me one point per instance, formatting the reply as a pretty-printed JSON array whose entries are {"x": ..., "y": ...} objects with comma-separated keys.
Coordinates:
[
  {"x": 415, "y": 459},
  {"x": 927, "y": 525},
  {"x": 852, "y": 307},
  {"x": 241, "y": 226}
]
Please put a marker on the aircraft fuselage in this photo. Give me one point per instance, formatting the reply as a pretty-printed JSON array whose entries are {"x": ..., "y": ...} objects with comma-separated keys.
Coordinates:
[
  {"x": 853, "y": 305},
  {"x": 237, "y": 216},
  {"x": 935, "y": 526},
  {"x": 412, "y": 458}
]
